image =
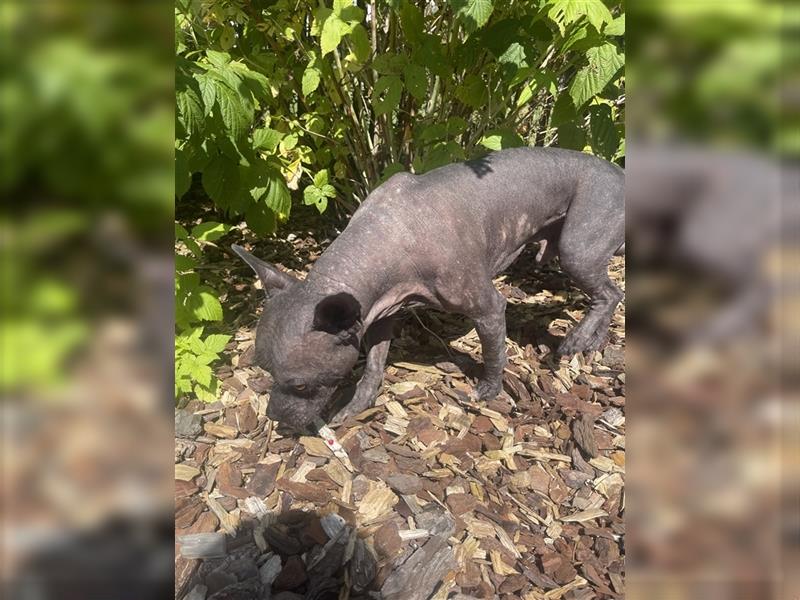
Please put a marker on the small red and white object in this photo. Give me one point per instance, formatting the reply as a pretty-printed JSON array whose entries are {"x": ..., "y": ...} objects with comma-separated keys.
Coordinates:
[{"x": 326, "y": 433}]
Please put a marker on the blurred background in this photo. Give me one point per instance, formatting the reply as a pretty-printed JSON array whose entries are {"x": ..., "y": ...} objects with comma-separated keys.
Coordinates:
[
  {"x": 712, "y": 219},
  {"x": 86, "y": 238},
  {"x": 87, "y": 114}
]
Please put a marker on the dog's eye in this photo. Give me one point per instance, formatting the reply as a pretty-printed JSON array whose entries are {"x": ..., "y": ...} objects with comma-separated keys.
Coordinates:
[{"x": 300, "y": 387}]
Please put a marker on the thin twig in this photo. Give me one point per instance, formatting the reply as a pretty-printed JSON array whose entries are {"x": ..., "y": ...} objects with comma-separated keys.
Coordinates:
[{"x": 446, "y": 347}]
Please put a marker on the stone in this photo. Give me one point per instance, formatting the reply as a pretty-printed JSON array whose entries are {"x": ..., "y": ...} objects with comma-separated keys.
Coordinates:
[
  {"x": 292, "y": 576},
  {"x": 187, "y": 424}
]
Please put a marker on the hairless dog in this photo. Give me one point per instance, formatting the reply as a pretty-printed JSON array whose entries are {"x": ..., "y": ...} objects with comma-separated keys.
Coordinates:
[{"x": 438, "y": 240}]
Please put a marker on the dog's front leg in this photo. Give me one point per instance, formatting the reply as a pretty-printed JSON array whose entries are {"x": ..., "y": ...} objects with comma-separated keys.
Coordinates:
[
  {"x": 377, "y": 340},
  {"x": 491, "y": 327}
]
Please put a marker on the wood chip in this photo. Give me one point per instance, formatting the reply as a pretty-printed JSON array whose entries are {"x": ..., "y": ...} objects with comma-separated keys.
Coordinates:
[
  {"x": 184, "y": 472},
  {"x": 220, "y": 431},
  {"x": 378, "y": 502},
  {"x": 584, "y": 515},
  {"x": 315, "y": 446}
]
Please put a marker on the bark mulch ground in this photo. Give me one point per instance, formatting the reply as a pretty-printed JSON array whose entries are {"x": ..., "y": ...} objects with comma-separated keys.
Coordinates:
[{"x": 438, "y": 496}]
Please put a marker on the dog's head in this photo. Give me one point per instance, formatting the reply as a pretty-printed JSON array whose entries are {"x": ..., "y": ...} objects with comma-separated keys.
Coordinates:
[{"x": 308, "y": 342}]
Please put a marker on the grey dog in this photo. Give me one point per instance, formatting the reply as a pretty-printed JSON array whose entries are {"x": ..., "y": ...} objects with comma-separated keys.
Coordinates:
[{"x": 438, "y": 239}]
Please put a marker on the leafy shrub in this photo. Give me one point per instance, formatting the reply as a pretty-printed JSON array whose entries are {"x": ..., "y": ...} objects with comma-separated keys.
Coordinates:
[
  {"x": 274, "y": 96},
  {"x": 196, "y": 303}
]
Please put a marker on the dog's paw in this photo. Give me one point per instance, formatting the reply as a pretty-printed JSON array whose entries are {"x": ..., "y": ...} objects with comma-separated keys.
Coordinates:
[
  {"x": 576, "y": 342},
  {"x": 363, "y": 398},
  {"x": 488, "y": 389},
  {"x": 572, "y": 344}
]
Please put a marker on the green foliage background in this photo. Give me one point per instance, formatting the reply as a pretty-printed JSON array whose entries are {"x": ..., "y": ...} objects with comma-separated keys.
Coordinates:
[{"x": 286, "y": 101}]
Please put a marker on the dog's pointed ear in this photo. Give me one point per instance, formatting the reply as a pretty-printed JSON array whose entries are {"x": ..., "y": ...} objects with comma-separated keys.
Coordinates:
[
  {"x": 271, "y": 278},
  {"x": 339, "y": 314}
]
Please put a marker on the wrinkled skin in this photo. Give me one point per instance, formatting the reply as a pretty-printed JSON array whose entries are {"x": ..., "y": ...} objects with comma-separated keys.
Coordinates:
[{"x": 438, "y": 239}]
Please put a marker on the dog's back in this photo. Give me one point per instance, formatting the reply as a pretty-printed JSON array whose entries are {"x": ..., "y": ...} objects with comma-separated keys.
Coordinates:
[{"x": 483, "y": 211}]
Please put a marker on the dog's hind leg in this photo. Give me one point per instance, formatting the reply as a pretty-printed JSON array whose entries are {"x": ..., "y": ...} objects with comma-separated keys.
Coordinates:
[{"x": 593, "y": 232}]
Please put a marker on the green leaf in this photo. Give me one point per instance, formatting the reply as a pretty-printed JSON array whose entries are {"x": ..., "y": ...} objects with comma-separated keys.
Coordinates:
[
  {"x": 416, "y": 81},
  {"x": 392, "y": 169},
  {"x": 208, "y": 393},
  {"x": 313, "y": 195},
  {"x": 216, "y": 342},
  {"x": 221, "y": 179},
  {"x": 566, "y": 12},
  {"x": 268, "y": 188},
  {"x": 180, "y": 232},
  {"x": 237, "y": 115},
  {"x": 604, "y": 136},
  {"x": 351, "y": 15},
  {"x": 183, "y": 177},
  {"x": 190, "y": 111},
  {"x": 604, "y": 63},
  {"x": 328, "y": 190},
  {"x": 389, "y": 64},
  {"x": 497, "y": 139},
  {"x": 288, "y": 142},
  {"x": 321, "y": 178},
  {"x": 412, "y": 21},
  {"x": 474, "y": 14},
  {"x": 278, "y": 197},
  {"x": 514, "y": 55},
  {"x": 210, "y": 231},
  {"x": 218, "y": 59},
  {"x": 571, "y": 136},
  {"x": 202, "y": 374},
  {"x": 439, "y": 131},
  {"x": 260, "y": 218},
  {"x": 386, "y": 94},
  {"x": 360, "y": 41},
  {"x": 333, "y": 30},
  {"x": 311, "y": 77},
  {"x": 208, "y": 91},
  {"x": 441, "y": 154},
  {"x": 257, "y": 82},
  {"x": 620, "y": 153},
  {"x": 206, "y": 358},
  {"x": 563, "y": 110},
  {"x": 321, "y": 15},
  {"x": 266, "y": 139},
  {"x": 227, "y": 38},
  {"x": 184, "y": 263},
  {"x": 205, "y": 306},
  {"x": 616, "y": 27},
  {"x": 472, "y": 91},
  {"x": 525, "y": 95}
]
